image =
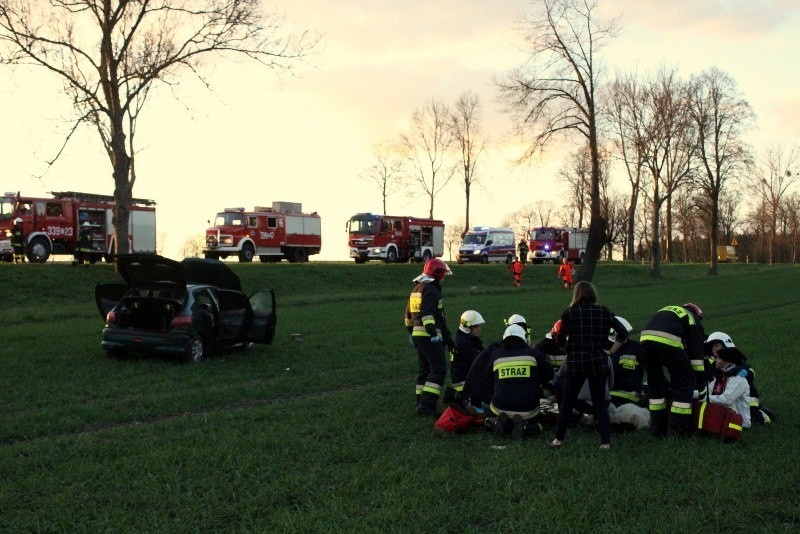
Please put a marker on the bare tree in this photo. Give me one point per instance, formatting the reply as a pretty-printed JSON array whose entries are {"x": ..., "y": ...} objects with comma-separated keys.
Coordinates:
[
  {"x": 384, "y": 170},
  {"x": 426, "y": 149},
  {"x": 453, "y": 234},
  {"x": 626, "y": 116},
  {"x": 193, "y": 247},
  {"x": 110, "y": 54},
  {"x": 554, "y": 92},
  {"x": 772, "y": 178},
  {"x": 466, "y": 129},
  {"x": 576, "y": 172},
  {"x": 720, "y": 116}
]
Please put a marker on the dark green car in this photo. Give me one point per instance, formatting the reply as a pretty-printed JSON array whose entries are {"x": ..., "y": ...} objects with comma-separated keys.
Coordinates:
[{"x": 181, "y": 309}]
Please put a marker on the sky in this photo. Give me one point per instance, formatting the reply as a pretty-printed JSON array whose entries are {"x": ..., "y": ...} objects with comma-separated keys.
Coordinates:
[{"x": 257, "y": 136}]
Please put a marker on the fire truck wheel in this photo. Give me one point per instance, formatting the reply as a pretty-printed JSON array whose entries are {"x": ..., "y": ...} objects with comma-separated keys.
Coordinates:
[
  {"x": 299, "y": 255},
  {"x": 426, "y": 256},
  {"x": 38, "y": 250},
  {"x": 196, "y": 349},
  {"x": 391, "y": 255},
  {"x": 247, "y": 253}
]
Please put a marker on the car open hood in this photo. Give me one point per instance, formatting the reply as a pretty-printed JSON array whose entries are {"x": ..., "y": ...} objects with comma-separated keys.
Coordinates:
[
  {"x": 141, "y": 270},
  {"x": 211, "y": 272}
]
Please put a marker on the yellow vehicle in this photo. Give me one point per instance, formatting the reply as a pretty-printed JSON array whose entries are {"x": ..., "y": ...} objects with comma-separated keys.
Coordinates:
[{"x": 726, "y": 253}]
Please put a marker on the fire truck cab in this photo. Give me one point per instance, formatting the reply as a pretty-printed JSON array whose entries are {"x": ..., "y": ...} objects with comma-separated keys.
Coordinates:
[
  {"x": 52, "y": 225},
  {"x": 392, "y": 238},
  {"x": 271, "y": 233},
  {"x": 485, "y": 244},
  {"x": 548, "y": 243}
]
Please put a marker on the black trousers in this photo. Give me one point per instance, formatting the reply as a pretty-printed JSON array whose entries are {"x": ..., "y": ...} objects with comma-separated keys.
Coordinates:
[
  {"x": 681, "y": 384},
  {"x": 432, "y": 368},
  {"x": 597, "y": 389}
]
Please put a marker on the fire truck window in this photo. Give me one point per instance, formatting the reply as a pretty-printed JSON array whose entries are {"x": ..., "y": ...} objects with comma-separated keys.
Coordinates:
[
  {"x": 272, "y": 222},
  {"x": 40, "y": 209},
  {"x": 398, "y": 226},
  {"x": 54, "y": 210},
  {"x": 25, "y": 208},
  {"x": 252, "y": 221},
  {"x": 385, "y": 226}
]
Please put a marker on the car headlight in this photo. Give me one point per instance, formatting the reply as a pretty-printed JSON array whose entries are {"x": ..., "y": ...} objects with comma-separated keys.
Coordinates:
[{"x": 476, "y": 251}]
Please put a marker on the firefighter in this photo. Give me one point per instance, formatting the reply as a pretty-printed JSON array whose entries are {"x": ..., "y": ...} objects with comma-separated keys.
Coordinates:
[
  {"x": 18, "y": 241},
  {"x": 627, "y": 367},
  {"x": 426, "y": 325},
  {"x": 554, "y": 354},
  {"x": 516, "y": 267},
  {"x": 565, "y": 273},
  {"x": 717, "y": 341},
  {"x": 83, "y": 247},
  {"x": 468, "y": 345},
  {"x": 523, "y": 250},
  {"x": 515, "y": 367},
  {"x": 672, "y": 338}
]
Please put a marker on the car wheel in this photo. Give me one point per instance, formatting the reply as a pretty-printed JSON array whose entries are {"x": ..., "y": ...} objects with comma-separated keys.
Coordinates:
[
  {"x": 484, "y": 259},
  {"x": 391, "y": 255},
  {"x": 247, "y": 253},
  {"x": 196, "y": 349}
]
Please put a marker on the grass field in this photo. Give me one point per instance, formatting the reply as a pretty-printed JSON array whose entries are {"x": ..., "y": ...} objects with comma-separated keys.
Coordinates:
[{"x": 320, "y": 435}]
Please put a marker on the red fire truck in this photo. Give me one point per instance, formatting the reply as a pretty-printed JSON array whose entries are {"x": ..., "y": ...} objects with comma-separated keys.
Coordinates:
[
  {"x": 52, "y": 225},
  {"x": 549, "y": 243},
  {"x": 392, "y": 238},
  {"x": 271, "y": 233}
]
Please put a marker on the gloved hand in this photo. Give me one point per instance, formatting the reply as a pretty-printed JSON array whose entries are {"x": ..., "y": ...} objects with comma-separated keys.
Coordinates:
[
  {"x": 436, "y": 339},
  {"x": 695, "y": 395}
]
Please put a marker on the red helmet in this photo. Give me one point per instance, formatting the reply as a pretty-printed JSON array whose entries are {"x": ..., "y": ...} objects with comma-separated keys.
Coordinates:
[
  {"x": 436, "y": 268},
  {"x": 695, "y": 309}
]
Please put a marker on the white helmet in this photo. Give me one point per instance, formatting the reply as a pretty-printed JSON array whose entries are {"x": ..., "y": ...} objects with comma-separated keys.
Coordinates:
[
  {"x": 517, "y": 319},
  {"x": 722, "y": 337},
  {"x": 86, "y": 224},
  {"x": 17, "y": 220},
  {"x": 469, "y": 319},
  {"x": 612, "y": 336},
  {"x": 514, "y": 330}
]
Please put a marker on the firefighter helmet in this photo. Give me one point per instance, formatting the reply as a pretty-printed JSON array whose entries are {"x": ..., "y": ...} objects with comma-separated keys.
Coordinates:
[
  {"x": 86, "y": 224},
  {"x": 436, "y": 268},
  {"x": 554, "y": 331},
  {"x": 514, "y": 330},
  {"x": 695, "y": 309},
  {"x": 471, "y": 318},
  {"x": 18, "y": 220},
  {"x": 718, "y": 337},
  {"x": 517, "y": 319},
  {"x": 612, "y": 336}
]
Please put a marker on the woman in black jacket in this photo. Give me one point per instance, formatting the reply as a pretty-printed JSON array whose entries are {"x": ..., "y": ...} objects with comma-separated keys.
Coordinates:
[{"x": 583, "y": 335}]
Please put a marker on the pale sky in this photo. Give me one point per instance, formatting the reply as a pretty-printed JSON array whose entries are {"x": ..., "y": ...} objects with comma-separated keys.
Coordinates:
[{"x": 258, "y": 138}]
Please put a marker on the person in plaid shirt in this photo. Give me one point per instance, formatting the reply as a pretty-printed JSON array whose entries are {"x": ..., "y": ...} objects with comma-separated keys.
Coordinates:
[{"x": 583, "y": 335}]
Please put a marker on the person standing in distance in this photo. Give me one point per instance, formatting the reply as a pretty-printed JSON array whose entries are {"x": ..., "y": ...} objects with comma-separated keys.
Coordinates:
[
  {"x": 18, "y": 241},
  {"x": 584, "y": 336},
  {"x": 672, "y": 338},
  {"x": 427, "y": 328}
]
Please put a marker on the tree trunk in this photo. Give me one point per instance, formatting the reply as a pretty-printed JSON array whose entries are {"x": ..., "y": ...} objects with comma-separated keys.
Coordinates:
[
  {"x": 714, "y": 234},
  {"x": 466, "y": 216},
  {"x": 655, "y": 247},
  {"x": 597, "y": 223}
]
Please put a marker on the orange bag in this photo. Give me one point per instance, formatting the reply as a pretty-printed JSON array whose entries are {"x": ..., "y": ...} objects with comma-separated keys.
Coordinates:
[{"x": 453, "y": 420}]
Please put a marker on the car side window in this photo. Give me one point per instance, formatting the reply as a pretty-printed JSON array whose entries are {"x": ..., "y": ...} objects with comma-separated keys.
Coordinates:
[{"x": 203, "y": 300}]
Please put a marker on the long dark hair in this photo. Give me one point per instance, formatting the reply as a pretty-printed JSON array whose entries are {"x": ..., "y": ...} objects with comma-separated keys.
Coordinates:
[{"x": 584, "y": 293}]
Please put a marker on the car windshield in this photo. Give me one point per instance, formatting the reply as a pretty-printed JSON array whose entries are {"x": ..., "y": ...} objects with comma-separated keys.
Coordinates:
[
  {"x": 6, "y": 208},
  {"x": 474, "y": 239},
  {"x": 364, "y": 227},
  {"x": 542, "y": 235},
  {"x": 228, "y": 218}
]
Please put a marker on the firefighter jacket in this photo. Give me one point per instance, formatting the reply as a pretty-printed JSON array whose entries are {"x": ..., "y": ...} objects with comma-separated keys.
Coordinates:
[
  {"x": 466, "y": 349},
  {"x": 17, "y": 238},
  {"x": 479, "y": 385},
  {"x": 85, "y": 241},
  {"x": 628, "y": 373},
  {"x": 676, "y": 327},
  {"x": 730, "y": 388},
  {"x": 515, "y": 367},
  {"x": 425, "y": 312},
  {"x": 516, "y": 267},
  {"x": 554, "y": 354}
]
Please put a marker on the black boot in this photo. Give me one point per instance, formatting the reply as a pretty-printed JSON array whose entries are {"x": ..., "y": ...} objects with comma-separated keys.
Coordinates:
[{"x": 427, "y": 405}]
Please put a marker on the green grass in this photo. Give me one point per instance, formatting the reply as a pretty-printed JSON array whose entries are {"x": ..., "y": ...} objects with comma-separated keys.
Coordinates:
[{"x": 319, "y": 436}]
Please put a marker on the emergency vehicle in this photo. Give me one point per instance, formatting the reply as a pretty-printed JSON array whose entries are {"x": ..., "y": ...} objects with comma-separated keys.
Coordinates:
[
  {"x": 393, "y": 238},
  {"x": 271, "y": 233},
  {"x": 486, "y": 244},
  {"x": 53, "y": 225},
  {"x": 549, "y": 243}
]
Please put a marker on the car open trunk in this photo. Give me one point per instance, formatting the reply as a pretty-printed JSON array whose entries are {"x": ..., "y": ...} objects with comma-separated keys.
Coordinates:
[{"x": 147, "y": 313}]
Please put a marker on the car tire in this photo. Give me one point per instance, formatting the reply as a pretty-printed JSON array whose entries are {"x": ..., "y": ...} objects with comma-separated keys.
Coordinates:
[
  {"x": 484, "y": 259},
  {"x": 391, "y": 255},
  {"x": 38, "y": 250},
  {"x": 195, "y": 350}
]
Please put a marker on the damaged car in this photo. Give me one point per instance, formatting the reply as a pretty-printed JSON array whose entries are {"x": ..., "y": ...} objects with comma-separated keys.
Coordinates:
[{"x": 185, "y": 310}]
